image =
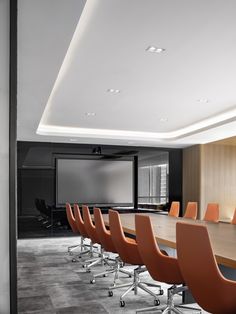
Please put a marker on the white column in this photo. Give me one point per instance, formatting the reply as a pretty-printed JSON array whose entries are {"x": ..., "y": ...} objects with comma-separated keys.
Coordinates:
[{"x": 4, "y": 157}]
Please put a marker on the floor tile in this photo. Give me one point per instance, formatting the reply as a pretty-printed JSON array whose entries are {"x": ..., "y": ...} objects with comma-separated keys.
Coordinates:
[
  {"x": 84, "y": 308},
  {"x": 49, "y": 283},
  {"x": 34, "y": 303}
]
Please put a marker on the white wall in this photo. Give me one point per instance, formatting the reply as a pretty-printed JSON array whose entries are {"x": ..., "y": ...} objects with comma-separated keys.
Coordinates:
[{"x": 4, "y": 157}]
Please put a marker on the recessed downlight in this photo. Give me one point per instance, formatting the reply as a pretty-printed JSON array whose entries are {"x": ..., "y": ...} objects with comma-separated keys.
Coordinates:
[
  {"x": 155, "y": 49},
  {"x": 90, "y": 114},
  {"x": 73, "y": 139},
  {"x": 113, "y": 91},
  {"x": 163, "y": 120},
  {"x": 203, "y": 100}
]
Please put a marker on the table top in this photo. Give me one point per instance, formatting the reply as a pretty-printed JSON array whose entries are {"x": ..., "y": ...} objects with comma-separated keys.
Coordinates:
[{"x": 222, "y": 235}]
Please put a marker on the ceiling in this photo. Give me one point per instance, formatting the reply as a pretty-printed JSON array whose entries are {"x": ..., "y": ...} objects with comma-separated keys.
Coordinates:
[{"x": 70, "y": 53}]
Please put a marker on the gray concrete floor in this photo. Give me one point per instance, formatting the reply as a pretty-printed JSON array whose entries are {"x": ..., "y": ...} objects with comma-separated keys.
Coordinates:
[{"x": 49, "y": 283}]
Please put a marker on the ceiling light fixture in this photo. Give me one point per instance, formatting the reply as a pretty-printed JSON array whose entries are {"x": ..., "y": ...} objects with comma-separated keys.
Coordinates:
[
  {"x": 113, "y": 91},
  {"x": 73, "y": 139},
  {"x": 155, "y": 49},
  {"x": 163, "y": 120},
  {"x": 90, "y": 114},
  {"x": 203, "y": 100}
]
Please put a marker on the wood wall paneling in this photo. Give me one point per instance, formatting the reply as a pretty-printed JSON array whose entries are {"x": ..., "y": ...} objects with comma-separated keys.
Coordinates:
[
  {"x": 209, "y": 176},
  {"x": 219, "y": 178}
]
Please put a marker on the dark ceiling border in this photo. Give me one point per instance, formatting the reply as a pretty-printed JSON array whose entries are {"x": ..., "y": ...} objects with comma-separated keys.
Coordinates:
[{"x": 12, "y": 156}]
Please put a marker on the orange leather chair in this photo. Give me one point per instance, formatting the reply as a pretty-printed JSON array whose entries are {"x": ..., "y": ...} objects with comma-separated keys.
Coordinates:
[
  {"x": 211, "y": 290},
  {"x": 128, "y": 250},
  {"x": 71, "y": 220},
  {"x": 108, "y": 245},
  {"x": 212, "y": 212},
  {"x": 80, "y": 226},
  {"x": 174, "y": 209},
  {"x": 161, "y": 267},
  {"x": 79, "y": 222},
  {"x": 77, "y": 226},
  {"x": 233, "y": 221},
  {"x": 91, "y": 230},
  {"x": 191, "y": 210}
]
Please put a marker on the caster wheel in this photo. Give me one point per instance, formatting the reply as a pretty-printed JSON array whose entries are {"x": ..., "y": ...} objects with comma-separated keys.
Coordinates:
[
  {"x": 161, "y": 292},
  {"x": 92, "y": 281},
  {"x": 84, "y": 266},
  {"x": 130, "y": 276},
  {"x": 122, "y": 303},
  {"x": 110, "y": 293},
  {"x": 73, "y": 260},
  {"x": 156, "y": 302},
  {"x": 105, "y": 275}
]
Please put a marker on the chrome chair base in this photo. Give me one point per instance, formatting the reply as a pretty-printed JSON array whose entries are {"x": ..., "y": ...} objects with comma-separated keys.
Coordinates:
[
  {"x": 114, "y": 267},
  {"x": 101, "y": 259},
  {"x": 82, "y": 246},
  {"x": 171, "y": 307},
  {"x": 72, "y": 248},
  {"x": 84, "y": 249},
  {"x": 141, "y": 285}
]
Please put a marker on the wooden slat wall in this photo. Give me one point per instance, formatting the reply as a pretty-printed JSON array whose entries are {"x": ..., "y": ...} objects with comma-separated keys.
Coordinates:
[
  {"x": 209, "y": 176},
  {"x": 218, "y": 177}
]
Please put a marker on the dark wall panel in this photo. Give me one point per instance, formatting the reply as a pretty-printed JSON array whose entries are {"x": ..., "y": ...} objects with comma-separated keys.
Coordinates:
[
  {"x": 36, "y": 169},
  {"x": 32, "y": 184},
  {"x": 175, "y": 176}
]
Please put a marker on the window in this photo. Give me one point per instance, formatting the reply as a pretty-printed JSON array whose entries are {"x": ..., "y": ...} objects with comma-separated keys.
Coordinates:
[{"x": 153, "y": 180}]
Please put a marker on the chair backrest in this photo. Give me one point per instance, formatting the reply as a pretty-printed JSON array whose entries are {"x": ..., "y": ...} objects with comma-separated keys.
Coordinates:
[
  {"x": 39, "y": 207},
  {"x": 174, "y": 209},
  {"x": 79, "y": 221},
  {"x": 46, "y": 210},
  {"x": 102, "y": 232},
  {"x": 161, "y": 267},
  {"x": 191, "y": 210},
  {"x": 233, "y": 221},
  {"x": 71, "y": 218},
  {"x": 89, "y": 226},
  {"x": 199, "y": 268},
  {"x": 126, "y": 248},
  {"x": 212, "y": 212},
  {"x": 37, "y": 204}
]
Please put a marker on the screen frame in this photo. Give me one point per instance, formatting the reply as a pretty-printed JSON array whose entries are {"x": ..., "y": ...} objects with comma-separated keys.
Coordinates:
[{"x": 133, "y": 159}]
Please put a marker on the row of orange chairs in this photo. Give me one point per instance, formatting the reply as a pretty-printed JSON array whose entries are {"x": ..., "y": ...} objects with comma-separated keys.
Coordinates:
[
  {"x": 187, "y": 269},
  {"x": 130, "y": 252},
  {"x": 212, "y": 212},
  {"x": 109, "y": 241},
  {"x": 191, "y": 211},
  {"x": 195, "y": 265}
]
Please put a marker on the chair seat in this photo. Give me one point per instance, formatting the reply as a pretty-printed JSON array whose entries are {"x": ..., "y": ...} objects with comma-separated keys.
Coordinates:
[{"x": 130, "y": 240}]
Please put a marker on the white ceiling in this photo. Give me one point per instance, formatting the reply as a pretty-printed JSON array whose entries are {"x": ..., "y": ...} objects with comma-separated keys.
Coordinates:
[{"x": 108, "y": 50}]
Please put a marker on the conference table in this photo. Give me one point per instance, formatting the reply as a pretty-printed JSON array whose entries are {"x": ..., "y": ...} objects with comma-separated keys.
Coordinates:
[{"x": 222, "y": 236}]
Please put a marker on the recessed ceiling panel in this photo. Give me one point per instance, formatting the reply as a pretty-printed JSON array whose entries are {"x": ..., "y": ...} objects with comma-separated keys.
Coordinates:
[{"x": 112, "y": 84}]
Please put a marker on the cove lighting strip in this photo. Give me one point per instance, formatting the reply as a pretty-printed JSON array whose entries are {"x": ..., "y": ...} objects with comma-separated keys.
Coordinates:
[{"x": 218, "y": 120}]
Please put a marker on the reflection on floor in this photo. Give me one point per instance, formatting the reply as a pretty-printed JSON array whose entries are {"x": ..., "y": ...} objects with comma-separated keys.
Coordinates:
[
  {"x": 30, "y": 227},
  {"x": 49, "y": 283}
]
